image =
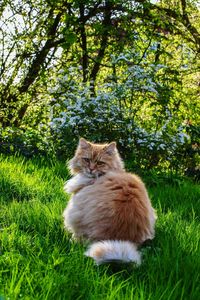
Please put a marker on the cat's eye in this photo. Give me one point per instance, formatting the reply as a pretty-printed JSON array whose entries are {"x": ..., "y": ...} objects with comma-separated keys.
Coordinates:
[
  {"x": 87, "y": 160},
  {"x": 101, "y": 163}
]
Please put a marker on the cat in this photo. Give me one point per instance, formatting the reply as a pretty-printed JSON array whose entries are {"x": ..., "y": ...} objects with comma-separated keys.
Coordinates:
[{"x": 109, "y": 207}]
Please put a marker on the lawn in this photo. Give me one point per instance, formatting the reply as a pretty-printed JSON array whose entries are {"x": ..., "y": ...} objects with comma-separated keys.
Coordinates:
[{"x": 38, "y": 259}]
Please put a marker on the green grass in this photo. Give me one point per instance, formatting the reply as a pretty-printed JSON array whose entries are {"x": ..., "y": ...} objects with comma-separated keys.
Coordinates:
[{"x": 38, "y": 260}]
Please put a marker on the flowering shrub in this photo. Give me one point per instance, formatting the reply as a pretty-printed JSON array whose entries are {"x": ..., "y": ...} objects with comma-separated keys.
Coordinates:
[
  {"x": 110, "y": 115},
  {"x": 156, "y": 139},
  {"x": 165, "y": 147}
]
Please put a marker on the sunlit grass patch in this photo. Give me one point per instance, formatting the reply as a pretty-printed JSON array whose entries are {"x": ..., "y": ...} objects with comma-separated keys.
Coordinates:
[{"x": 38, "y": 259}]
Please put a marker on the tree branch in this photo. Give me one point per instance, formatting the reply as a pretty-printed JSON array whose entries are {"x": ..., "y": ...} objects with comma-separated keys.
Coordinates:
[
  {"x": 189, "y": 26},
  {"x": 40, "y": 56},
  {"x": 106, "y": 23},
  {"x": 83, "y": 43},
  {"x": 182, "y": 18}
]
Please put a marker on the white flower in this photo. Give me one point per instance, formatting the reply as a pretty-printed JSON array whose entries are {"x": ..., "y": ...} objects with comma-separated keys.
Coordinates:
[
  {"x": 139, "y": 141},
  {"x": 162, "y": 146}
]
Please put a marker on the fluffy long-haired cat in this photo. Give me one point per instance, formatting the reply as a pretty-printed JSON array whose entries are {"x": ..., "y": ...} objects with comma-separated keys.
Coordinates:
[{"x": 109, "y": 207}]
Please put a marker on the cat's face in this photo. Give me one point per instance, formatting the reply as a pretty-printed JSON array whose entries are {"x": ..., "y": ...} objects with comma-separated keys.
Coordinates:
[{"x": 95, "y": 160}]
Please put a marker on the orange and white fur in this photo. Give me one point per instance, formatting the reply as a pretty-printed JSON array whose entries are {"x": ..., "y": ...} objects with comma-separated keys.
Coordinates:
[{"x": 109, "y": 207}]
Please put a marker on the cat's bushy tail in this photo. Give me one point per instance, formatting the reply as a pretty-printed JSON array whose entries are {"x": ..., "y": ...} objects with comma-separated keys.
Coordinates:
[{"x": 113, "y": 250}]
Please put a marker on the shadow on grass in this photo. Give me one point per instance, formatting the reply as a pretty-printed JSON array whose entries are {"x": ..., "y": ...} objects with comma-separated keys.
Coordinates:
[{"x": 11, "y": 189}]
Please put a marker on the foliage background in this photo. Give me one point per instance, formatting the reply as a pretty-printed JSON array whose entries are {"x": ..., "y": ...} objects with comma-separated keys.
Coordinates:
[{"x": 106, "y": 70}]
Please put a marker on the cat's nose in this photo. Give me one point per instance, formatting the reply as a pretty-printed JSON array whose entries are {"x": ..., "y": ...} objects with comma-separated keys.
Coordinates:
[{"x": 92, "y": 167}]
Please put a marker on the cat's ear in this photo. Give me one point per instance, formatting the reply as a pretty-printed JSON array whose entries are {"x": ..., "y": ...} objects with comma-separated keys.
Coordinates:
[
  {"x": 110, "y": 148},
  {"x": 83, "y": 144}
]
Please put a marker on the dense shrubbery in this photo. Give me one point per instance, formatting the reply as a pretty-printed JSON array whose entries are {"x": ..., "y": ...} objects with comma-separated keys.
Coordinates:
[
  {"x": 117, "y": 111},
  {"x": 159, "y": 140},
  {"x": 26, "y": 141},
  {"x": 108, "y": 115}
]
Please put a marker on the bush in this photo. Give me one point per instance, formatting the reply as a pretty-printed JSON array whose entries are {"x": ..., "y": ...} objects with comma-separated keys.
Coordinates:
[
  {"x": 135, "y": 109},
  {"x": 106, "y": 117},
  {"x": 26, "y": 141}
]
